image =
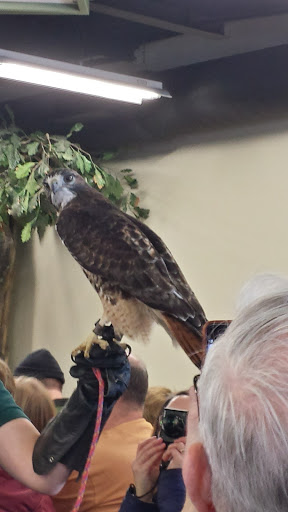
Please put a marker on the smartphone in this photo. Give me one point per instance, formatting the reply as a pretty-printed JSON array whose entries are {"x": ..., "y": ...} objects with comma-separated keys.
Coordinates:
[{"x": 212, "y": 331}]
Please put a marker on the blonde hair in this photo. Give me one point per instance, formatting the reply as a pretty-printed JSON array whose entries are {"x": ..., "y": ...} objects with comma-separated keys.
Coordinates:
[
  {"x": 33, "y": 398},
  {"x": 155, "y": 398},
  {"x": 6, "y": 377}
]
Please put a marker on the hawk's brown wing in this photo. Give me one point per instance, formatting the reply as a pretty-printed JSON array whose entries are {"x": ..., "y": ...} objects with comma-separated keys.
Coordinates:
[{"x": 127, "y": 254}]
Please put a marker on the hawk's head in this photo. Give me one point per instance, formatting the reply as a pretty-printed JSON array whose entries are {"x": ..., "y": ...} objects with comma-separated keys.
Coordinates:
[{"x": 63, "y": 185}]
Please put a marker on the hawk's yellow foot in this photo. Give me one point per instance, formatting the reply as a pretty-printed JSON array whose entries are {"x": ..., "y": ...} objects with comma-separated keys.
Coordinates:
[{"x": 85, "y": 347}]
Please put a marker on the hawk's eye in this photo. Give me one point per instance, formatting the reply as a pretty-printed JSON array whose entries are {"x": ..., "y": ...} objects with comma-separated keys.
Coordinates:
[{"x": 69, "y": 178}]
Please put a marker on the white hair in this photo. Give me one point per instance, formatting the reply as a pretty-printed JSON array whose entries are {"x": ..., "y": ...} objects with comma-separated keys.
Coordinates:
[
  {"x": 259, "y": 286},
  {"x": 243, "y": 399}
]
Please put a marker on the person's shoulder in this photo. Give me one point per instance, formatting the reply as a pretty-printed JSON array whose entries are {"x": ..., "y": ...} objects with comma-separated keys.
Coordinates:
[
  {"x": 133, "y": 432},
  {"x": 141, "y": 426},
  {"x": 8, "y": 408},
  {"x": 138, "y": 427}
]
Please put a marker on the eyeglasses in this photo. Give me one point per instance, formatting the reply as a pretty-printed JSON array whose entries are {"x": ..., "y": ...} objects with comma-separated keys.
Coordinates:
[
  {"x": 195, "y": 382},
  {"x": 211, "y": 331}
]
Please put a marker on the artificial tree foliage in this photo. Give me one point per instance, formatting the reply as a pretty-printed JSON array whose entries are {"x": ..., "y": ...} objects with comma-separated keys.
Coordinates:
[{"x": 25, "y": 159}]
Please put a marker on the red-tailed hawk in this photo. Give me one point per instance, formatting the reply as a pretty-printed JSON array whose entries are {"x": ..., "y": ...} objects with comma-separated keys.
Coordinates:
[{"x": 135, "y": 275}]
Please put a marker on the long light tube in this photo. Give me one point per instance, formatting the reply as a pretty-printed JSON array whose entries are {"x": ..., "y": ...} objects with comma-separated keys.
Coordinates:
[
  {"x": 73, "y": 83},
  {"x": 78, "y": 79}
]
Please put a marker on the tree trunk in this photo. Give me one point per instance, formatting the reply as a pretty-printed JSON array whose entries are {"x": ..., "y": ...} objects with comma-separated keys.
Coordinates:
[{"x": 7, "y": 263}]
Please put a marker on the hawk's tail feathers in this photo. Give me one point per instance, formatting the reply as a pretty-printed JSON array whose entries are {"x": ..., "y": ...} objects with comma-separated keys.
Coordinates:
[{"x": 190, "y": 341}]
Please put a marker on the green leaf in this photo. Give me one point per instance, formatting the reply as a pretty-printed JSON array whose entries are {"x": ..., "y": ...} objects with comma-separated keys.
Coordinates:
[
  {"x": 68, "y": 155},
  {"x": 38, "y": 135},
  {"x": 26, "y": 232},
  {"x": 15, "y": 140},
  {"x": 75, "y": 128},
  {"x": 3, "y": 157},
  {"x": 142, "y": 213},
  {"x": 108, "y": 156},
  {"x": 23, "y": 170},
  {"x": 43, "y": 168},
  {"x": 87, "y": 164},
  {"x": 132, "y": 182},
  {"x": 125, "y": 171},
  {"x": 32, "y": 148},
  {"x": 12, "y": 155},
  {"x": 113, "y": 187},
  {"x": 32, "y": 186},
  {"x": 43, "y": 220},
  {"x": 25, "y": 202},
  {"x": 98, "y": 178},
  {"x": 123, "y": 204},
  {"x": 33, "y": 203},
  {"x": 134, "y": 200},
  {"x": 61, "y": 146},
  {"x": 79, "y": 162}
]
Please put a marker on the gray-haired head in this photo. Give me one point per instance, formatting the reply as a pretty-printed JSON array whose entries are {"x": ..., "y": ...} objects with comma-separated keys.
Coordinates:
[
  {"x": 260, "y": 286},
  {"x": 243, "y": 397}
]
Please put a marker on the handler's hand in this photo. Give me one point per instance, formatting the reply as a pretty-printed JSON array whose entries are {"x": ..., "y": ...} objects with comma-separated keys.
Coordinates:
[
  {"x": 146, "y": 466},
  {"x": 175, "y": 453}
]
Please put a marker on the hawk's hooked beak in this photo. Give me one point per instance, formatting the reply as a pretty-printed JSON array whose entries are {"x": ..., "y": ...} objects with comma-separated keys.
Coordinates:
[
  {"x": 60, "y": 195},
  {"x": 51, "y": 184},
  {"x": 54, "y": 185}
]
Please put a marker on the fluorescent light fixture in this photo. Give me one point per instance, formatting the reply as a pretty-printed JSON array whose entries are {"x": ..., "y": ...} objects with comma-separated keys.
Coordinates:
[
  {"x": 79, "y": 79},
  {"x": 52, "y": 7}
]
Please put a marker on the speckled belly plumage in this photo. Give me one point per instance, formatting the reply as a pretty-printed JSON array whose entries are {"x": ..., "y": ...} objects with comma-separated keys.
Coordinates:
[{"x": 129, "y": 316}]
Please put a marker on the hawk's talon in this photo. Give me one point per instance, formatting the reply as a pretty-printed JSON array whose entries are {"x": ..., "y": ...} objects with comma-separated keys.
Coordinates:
[
  {"x": 125, "y": 346},
  {"x": 86, "y": 346},
  {"x": 101, "y": 335}
]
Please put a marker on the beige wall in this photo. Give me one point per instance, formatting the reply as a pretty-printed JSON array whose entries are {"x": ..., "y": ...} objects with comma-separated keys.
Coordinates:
[{"x": 220, "y": 207}]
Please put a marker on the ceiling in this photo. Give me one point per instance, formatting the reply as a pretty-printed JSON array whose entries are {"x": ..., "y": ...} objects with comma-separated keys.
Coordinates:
[{"x": 224, "y": 62}]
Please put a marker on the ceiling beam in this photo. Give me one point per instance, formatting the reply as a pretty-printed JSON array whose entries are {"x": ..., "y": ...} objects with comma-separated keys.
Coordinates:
[
  {"x": 242, "y": 36},
  {"x": 151, "y": 21}
]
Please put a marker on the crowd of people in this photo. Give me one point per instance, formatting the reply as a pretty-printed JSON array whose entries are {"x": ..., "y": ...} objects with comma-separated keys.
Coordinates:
[{"x": 228, "y": 455}]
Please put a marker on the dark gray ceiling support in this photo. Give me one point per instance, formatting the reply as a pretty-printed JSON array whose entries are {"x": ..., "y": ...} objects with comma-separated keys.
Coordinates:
[
  {"x": 240, "y": 37},
  {"x": 150, "y": 21}
]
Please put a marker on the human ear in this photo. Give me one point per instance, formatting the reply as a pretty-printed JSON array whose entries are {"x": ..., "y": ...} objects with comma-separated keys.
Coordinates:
[{"x": 197, "y": 477}]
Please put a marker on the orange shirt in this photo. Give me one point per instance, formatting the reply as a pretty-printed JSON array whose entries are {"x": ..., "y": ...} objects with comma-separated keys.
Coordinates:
[{"x": 110, "y": 473}]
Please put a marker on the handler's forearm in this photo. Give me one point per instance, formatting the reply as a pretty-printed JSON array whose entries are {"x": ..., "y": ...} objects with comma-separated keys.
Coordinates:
[{"x": 17, "y": 440}]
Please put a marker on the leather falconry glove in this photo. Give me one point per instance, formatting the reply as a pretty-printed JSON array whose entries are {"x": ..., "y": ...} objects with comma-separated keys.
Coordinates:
[{"x": 67, "y": 438}]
